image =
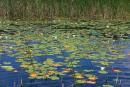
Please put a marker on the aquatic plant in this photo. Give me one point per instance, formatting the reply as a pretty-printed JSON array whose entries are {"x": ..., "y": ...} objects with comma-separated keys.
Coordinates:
[
  {"x": 108, "y": 86},
  {"x": 117, "y": 71},
  {"x": 8, "y": 68},
  {"x": 60, "y": 9},
  {"x": 52, "y": 54}
]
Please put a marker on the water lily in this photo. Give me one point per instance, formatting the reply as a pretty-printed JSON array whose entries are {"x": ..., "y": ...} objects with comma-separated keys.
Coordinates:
[
  {"x": 15, "y": 71},
  {"x": 66, "y": 70},
  {"x": 45, "y": 67},
  {"x": 66, "y": 46},
  {"x": 108, "y": 86},
  {"x": 56, "y": 65},
  {"x": 102, "y": 72},
  {"x": 28, "y": 51},
  {"x": 107, "y": 26},
  {"x": 10, "y": 47},
  {"x": 102, "y": 68},
  {"x": 80, "y": 81},
  {"x": 78, "y": 76},
  {"x": 76, "y": 23},
  {"x": 67, "y": 37},
  {"x": 91, "y": 82},
  {"x": 83, "y": 23},
  {"x": 85, "y": 82},
  {"x": 0, "y": 37},
  {"x": 51, "y": 72},
  {"x": 55, "y": 37},
  {"x": 74, "y": 35},
  {"x": 6, "y": 37},
  {"x": 8, "y": 68},
  {"x": 129, "y": 54},
  {"x": 93, "y": 78},
  {"x": 46, "y": 76},
  {"x": 116, "y": 70},
  {"x": 33, "y": 75}
]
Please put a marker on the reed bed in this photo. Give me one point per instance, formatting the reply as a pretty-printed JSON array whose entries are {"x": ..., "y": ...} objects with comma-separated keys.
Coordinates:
[{"x": 60, "y": 9}]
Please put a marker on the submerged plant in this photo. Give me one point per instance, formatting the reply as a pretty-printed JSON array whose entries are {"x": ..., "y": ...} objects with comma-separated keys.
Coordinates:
[{"x": 117, "y": 71}]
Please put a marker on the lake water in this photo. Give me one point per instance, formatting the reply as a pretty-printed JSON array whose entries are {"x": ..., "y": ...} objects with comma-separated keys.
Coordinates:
[{"x": 74, "y": 57}]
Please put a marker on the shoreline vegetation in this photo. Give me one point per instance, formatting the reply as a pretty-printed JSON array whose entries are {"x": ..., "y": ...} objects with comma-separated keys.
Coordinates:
[
  {"x": 109, "y": 29},
  {"x": 40, "y": 10}
]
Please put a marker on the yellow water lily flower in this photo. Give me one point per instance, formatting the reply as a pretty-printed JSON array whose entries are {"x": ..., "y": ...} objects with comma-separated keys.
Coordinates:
[
  {"x": 33, "y": 75},
  {"x": 93, "y": 78}
]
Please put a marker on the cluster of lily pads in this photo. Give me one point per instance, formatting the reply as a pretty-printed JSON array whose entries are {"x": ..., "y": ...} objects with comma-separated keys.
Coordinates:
[{"x": 68, "y": 42}]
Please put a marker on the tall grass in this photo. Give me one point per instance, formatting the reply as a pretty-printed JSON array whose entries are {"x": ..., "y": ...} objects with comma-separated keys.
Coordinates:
[{"x": 71, "y": 9}]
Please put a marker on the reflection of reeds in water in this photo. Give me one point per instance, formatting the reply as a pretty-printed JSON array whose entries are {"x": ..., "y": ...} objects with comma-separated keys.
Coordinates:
[
  {"x": 14, "y": 84},
  {"x": 73, "y": 9}
]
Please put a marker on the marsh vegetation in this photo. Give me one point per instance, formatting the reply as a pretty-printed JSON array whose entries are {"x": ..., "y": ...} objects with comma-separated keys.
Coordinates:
[
  {"x": 64, "y": 9},
  {"x": 64, "y": 43}
]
